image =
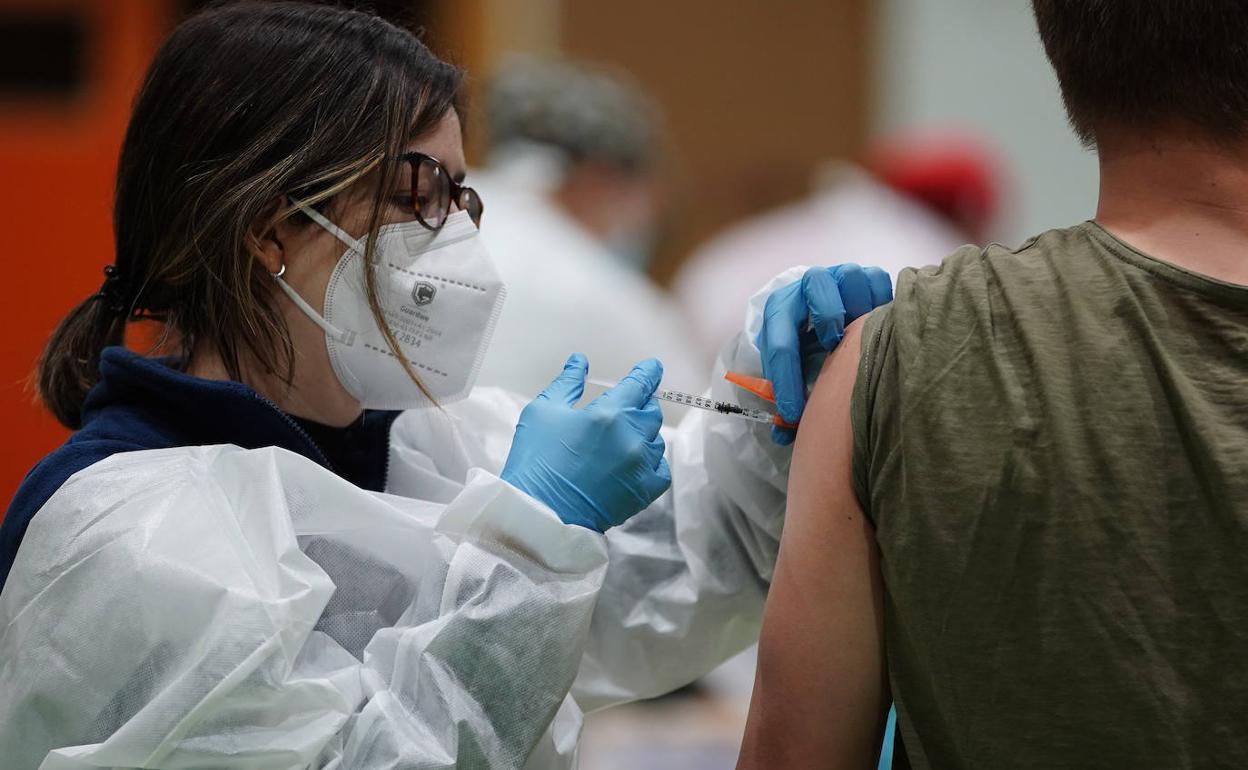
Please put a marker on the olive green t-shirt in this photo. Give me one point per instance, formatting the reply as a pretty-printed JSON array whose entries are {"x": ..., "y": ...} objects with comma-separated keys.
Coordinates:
[{"x": 1052, "y": 443}]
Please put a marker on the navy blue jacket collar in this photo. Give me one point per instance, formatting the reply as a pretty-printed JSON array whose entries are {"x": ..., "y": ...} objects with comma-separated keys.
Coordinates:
[
  {"x": 144, "y": 403},
  {"x": 200, "y": 412}
]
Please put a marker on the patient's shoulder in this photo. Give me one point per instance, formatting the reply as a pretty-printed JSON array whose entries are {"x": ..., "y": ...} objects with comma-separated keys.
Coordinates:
[
  {"x": 825, "y": 429},
  {"x": 974, "y": 282}
]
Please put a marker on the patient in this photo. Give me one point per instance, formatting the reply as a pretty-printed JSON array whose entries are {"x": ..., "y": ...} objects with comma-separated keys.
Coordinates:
[{"x": 1019, "y": 502}]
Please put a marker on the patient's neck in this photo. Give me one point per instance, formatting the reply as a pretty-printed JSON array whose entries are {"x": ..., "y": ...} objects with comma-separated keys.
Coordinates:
[{"x": 1179, "y": 199}]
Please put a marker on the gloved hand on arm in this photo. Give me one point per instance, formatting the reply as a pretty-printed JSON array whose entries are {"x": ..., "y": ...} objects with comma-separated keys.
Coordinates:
[
  {"x": 599, "y": 465},
  {"x": 804, "y": 321}
]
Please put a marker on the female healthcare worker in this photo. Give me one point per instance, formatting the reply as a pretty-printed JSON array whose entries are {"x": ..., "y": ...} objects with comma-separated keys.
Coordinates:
[{"x": 303, "y": 539}]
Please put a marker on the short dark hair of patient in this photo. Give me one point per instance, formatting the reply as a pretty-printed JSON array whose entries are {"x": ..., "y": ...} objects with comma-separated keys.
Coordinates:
[{"x": 1148, "y": 64}]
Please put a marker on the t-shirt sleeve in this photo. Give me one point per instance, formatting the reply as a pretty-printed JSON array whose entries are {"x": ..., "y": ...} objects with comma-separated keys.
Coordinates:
[
  {"x": 877, "y": 337},
  {"x": 937, "y": 312}
]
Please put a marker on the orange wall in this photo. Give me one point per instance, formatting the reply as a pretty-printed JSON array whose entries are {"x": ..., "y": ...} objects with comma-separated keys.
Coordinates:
[{"x": 57, "y": 162}]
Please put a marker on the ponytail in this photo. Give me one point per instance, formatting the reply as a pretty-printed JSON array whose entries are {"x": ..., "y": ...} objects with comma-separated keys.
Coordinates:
[{"x": 70, "y": 364}]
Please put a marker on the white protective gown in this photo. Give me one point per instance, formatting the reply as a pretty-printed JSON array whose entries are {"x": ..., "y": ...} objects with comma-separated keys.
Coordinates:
[{"x": 214, "y": 607}]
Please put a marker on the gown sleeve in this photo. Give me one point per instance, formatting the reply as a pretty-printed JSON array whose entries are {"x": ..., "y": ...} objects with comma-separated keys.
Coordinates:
[
  {"x": 213, "y": 607},
  {"x": 687, "y": 578}
]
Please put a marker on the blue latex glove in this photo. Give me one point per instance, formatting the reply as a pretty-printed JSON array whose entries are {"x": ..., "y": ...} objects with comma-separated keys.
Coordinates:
[
  {"x": 596, "y": 466},
  {"x": 804, "y": 321}
]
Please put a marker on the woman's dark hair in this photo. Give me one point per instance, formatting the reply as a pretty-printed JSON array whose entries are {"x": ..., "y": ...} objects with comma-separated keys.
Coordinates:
[
  {"x": 1144, "y": 63},
  {"x": 243, "y": 104}
]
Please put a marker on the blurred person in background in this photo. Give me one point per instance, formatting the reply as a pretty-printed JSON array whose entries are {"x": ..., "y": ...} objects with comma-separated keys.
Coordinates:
[
  {"x": 912, "y": 202},
  {"x": 573, "y": 176}
]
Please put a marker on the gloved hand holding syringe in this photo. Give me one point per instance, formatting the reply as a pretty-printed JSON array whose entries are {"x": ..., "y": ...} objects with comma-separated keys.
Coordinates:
[{"x": 756, "y": 385}]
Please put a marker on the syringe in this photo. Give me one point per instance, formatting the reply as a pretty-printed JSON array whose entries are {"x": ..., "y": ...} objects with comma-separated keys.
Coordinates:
[{"x": 701, "y": 402}]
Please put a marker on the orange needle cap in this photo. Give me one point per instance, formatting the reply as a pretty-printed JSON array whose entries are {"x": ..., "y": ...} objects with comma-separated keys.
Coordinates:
[{"x": 756, "y": 385}]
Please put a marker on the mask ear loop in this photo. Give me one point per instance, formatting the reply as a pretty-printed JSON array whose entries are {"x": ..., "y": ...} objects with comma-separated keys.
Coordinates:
[
  {"x": 334, "y": 229},
  {"x": 346, "y": 337},
  {"x": 340, "y": 335}
]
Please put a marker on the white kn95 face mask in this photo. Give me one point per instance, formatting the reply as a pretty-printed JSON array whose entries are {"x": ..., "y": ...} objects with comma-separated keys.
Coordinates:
[{"x": 441, "y": 295}]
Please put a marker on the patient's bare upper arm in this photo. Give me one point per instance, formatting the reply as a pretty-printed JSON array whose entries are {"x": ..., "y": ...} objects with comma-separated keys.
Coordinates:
[{"x": 820, "y": 695}]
